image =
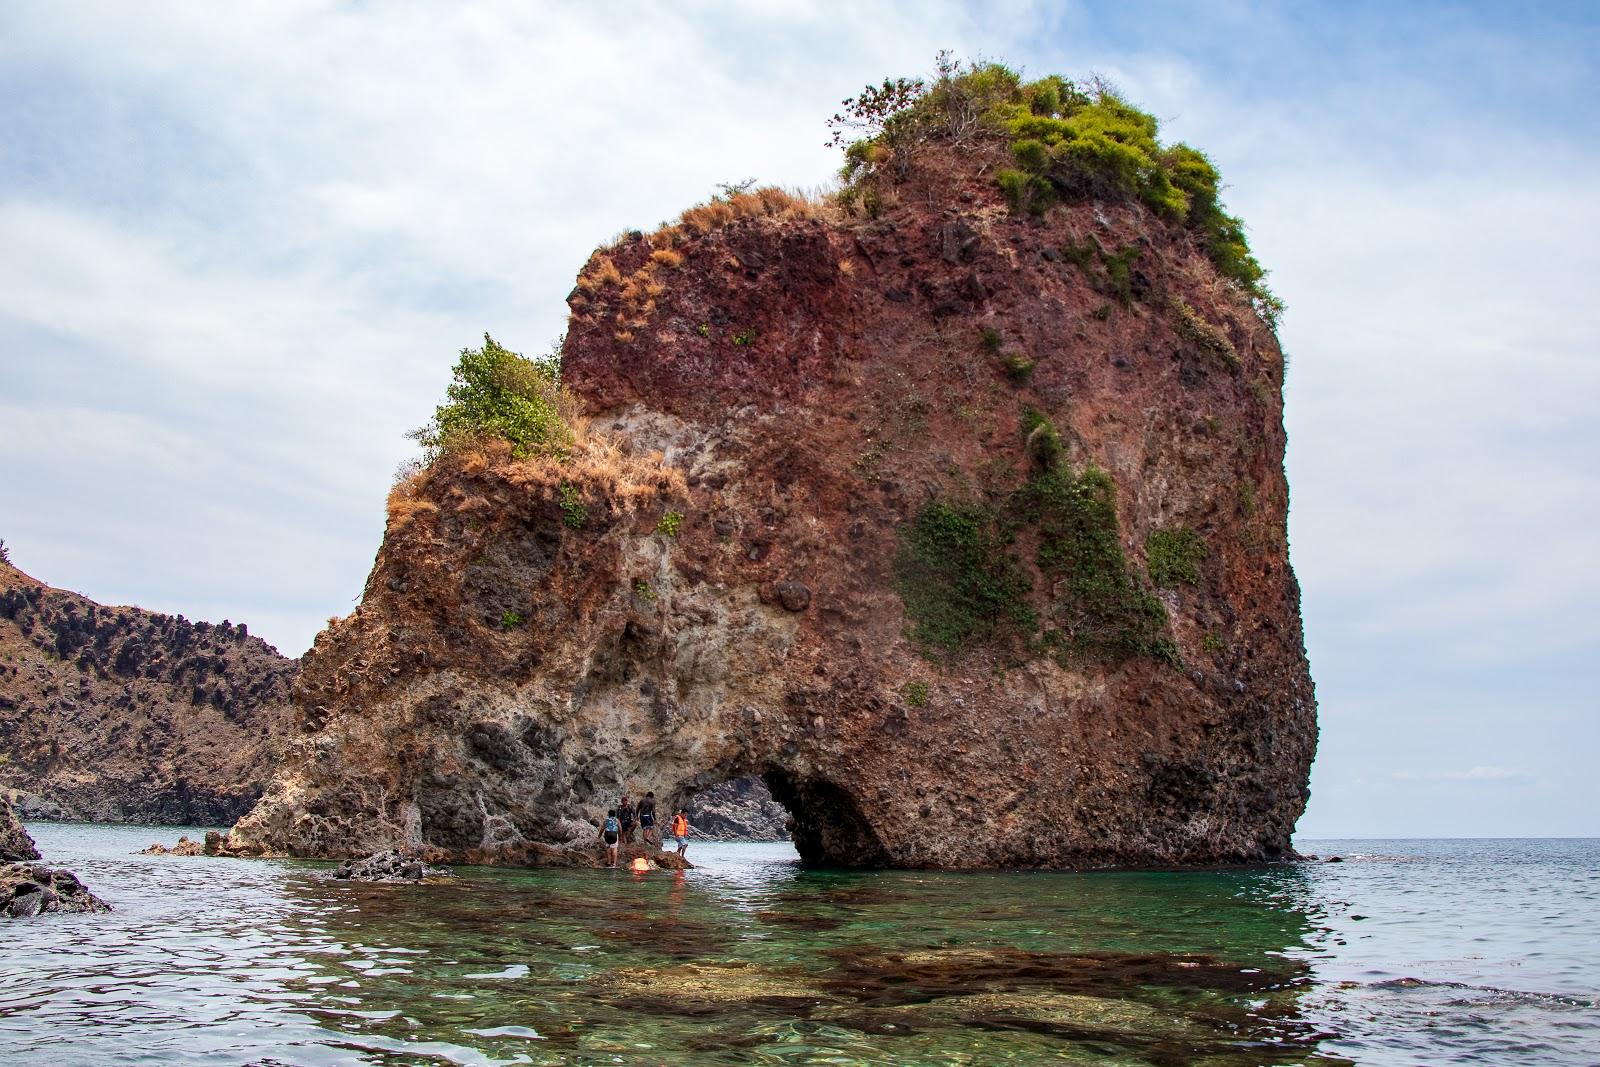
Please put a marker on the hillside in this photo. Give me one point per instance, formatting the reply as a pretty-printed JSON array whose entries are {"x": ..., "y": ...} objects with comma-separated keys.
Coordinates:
[{"x": 115, "y": 714}]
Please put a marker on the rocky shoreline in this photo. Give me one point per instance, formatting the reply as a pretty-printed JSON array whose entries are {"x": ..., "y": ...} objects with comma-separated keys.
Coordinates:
[{"x": 31, "y": 889}]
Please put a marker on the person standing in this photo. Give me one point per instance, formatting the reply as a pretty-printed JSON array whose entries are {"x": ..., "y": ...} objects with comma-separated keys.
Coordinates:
[
  {"x": 625, "y": 814},
  {"x": 647, "y": 819},
  {"x": 610, "y": 831},
  {"x": 680, "y": 830}
]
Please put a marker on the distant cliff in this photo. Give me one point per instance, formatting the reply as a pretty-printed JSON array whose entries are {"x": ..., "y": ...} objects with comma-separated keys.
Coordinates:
[
  {"x": 952, "y": 506},
  {"x": 116, "y": 714}
]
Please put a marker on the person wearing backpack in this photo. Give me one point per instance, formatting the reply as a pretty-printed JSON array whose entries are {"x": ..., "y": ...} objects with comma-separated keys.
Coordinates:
[{"x": 611, "y": 833}]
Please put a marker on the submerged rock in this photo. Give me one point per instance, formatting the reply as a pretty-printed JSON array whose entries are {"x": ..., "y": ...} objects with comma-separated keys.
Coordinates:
[
  {"x": 29, "y": 889},
  {"x": 15, "y": 844},
  {"x": 731, "y": 982}
]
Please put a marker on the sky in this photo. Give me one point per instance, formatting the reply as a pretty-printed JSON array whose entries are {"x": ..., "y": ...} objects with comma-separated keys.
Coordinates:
[{"x": 241, "y": 245}]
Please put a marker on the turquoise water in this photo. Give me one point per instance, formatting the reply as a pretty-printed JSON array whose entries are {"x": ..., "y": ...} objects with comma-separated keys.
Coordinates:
[{"x": 1410, "y": 952}]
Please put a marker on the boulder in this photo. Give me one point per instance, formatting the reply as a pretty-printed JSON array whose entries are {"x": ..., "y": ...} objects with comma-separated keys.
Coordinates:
[
  {"x": 387, "y": 866},
  {"x": 184, "y": 847},
  {"x": 30, "y": 889},
  {"x": 15, "y": 844},
  {"x": 938, "y": 647}
]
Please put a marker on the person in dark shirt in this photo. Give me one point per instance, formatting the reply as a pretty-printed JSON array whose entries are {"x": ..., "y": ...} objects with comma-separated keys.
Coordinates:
[
  {"x": 626, "y": 816},
  {"x": 647, "y": 819}
]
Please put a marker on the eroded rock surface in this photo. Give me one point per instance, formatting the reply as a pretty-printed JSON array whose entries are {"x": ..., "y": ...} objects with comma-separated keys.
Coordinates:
[
  {"x": 186, "y": 846},
  {"x": 15, "y": 844},
  {"x": 30, "y": 889},
  {"x": 1108, "y": 670},
  {"x": 116, "y": 714}
]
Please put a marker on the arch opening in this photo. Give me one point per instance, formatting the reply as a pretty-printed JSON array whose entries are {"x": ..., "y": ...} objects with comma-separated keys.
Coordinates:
[
  {"x": 740, "y": 809},
  {"x": 820, "y": 818},
  {"x": 829, "y": 829}
]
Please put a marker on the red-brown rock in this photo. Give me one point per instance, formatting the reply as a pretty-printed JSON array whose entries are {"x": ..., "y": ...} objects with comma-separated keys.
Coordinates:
[{"x": 799, "y": 390}]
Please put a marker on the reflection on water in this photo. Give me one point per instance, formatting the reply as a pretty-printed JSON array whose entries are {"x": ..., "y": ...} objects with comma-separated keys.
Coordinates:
[{"x": 752, "y": 960}]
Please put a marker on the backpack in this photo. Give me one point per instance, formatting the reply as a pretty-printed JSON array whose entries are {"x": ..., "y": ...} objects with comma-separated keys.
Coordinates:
[{"x": 611, "y": 824}]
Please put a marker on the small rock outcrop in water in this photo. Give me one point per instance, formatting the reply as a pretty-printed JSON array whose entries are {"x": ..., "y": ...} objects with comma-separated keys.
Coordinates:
[
  {"x": 387, "y": 866},
  {"x": 15, "y": 844},
  {"x": 116, "y": 714},
  {"x": 741, "y": 810},
  {"x": 953, "y": 510},
  {"x": 185, "y": 847},
  {"x": 215, "y": 844},
  {"x": 29, "y": 889}
]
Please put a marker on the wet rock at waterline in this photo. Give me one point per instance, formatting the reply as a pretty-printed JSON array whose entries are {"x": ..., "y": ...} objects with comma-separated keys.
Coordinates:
[
  {"x": 387, "y": 867},
  {"x": 184, "y": 847},
  {"x": 30, "y": 889}
]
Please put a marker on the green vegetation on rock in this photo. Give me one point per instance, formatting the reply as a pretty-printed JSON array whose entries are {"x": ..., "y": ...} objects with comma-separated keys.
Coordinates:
[
  {"x": 573, "y": 512},
  {"x": 1067, "y": 140},
  {"x": 1190, "y": 326},
  {"x": 962, "y": 584},
  {"x": 670, "y": 523},
  {"x": 1110, "y": 273},
  {"x": 1102, "y": 610},
  {"x": 496, "y": 392},
  {"x": 959, "y": 582},
  {"x": 1042, "y": 441},
  {"x": 1173, "y": 556}
]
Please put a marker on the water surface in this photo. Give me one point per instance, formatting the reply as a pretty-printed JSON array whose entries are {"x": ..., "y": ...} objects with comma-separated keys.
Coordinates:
[{"x": 1408, "y": 952}]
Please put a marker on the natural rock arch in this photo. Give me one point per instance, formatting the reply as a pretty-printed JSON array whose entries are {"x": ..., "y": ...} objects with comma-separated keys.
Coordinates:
[{"x": 710, "y": 582}]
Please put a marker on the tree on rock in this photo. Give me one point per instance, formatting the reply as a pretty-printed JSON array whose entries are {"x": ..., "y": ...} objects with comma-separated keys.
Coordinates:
[{"x": 496, "y": 392}]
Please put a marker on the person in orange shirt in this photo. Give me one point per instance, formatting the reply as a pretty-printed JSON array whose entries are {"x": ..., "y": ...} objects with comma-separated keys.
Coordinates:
[{"x": 680, "y": 830}]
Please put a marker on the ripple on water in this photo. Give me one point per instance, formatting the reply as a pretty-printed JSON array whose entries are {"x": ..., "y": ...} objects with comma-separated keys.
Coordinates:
[{"x": 752, "y": 960}]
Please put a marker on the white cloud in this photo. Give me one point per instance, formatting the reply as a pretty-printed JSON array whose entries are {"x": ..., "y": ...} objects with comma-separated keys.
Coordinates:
[{"x": 1474, "y": 774}]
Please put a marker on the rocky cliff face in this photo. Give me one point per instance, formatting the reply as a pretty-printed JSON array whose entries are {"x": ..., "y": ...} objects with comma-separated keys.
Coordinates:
[
  {"x": 963, "y": 530},
  {"x": 115, "y": 714}
]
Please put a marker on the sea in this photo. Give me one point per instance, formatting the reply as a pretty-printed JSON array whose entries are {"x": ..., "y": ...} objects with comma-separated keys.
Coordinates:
[{"x": 1404, "y": 952}]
